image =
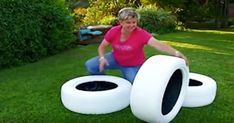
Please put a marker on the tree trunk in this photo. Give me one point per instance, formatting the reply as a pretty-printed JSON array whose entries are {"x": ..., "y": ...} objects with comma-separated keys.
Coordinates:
[
  {"x": 225, "y": 13},
  {"x": 222, "y": 13},
  {"x": 217, "y": 16}
]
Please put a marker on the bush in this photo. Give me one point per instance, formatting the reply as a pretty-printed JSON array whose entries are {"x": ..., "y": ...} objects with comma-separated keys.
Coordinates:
[
  {"x": 231, "y": 20},
  {"x": 109, "y": 20},
  {"x": 156, "y": 20},
  {"x": 32, "y": 29},
  {"x": 102, "y": 12}
]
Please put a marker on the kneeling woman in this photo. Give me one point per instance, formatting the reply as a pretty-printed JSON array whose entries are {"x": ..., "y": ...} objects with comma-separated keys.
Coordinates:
[{"x": 127, "y": 41}]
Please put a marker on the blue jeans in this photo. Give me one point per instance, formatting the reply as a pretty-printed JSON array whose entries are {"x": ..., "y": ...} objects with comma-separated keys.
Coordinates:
[{"x": 129, "y": 73}]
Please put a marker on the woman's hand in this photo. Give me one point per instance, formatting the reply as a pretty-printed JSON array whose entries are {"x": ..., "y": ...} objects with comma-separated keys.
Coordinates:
[
  {"x": 101, "y": 52},
  {"x": 102, "y": 63},
  {"x": 166, "y": 48},
  {"x": 180, "y": 55}
]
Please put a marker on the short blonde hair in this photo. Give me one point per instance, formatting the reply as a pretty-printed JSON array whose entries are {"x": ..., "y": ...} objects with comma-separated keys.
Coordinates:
[{"x": 126, "y": 13}]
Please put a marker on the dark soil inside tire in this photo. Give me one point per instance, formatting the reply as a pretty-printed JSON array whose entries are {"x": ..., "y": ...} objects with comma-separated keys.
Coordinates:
[
  {"x": 96, "y": 86},
  {"x": 193, "y": 82}
]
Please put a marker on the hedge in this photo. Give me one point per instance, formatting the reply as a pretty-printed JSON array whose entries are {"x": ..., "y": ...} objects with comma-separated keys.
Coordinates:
[{"x": 32, "y": 29}]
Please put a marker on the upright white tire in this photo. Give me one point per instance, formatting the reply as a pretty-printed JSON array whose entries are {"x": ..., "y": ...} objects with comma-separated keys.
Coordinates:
[
  {"x": 79, "y": 94},
  {"x": 159, "y": 89},
  {"x": 201, "y": 91}
]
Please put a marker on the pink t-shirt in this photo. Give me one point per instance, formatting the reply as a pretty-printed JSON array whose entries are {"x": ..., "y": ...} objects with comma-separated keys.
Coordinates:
[{"x": 131, "y": 51}]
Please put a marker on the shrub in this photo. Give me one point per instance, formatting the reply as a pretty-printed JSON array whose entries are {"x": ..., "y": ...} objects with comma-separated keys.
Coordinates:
[
  {"x": 34, "y": 29},
  {"x": 156, "y": 20},
  {"x": 231, "y": 20},
  {"x": 100, "y": 9},
  {"x": 109, "y": 20},
  {"x": 79, "y": 14}
]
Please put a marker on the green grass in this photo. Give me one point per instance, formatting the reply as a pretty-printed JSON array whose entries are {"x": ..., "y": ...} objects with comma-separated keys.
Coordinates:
[{"x": 31, "y": 93}]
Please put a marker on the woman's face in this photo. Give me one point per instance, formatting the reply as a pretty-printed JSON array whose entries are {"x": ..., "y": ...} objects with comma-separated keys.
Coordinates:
[{"x": 129, "y": 25}]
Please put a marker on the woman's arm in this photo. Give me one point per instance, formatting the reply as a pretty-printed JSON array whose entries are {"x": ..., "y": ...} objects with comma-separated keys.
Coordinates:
[
  {"x": 165, "y": 48},
  {"x": 101, "y": 53}
]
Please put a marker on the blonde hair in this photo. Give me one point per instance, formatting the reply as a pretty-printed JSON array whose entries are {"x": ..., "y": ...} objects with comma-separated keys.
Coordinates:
[{"x": 126, "y": 13}]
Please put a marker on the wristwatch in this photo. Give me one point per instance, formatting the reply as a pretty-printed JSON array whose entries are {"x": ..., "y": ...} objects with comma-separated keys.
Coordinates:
[{"x": 101, "y": 58}]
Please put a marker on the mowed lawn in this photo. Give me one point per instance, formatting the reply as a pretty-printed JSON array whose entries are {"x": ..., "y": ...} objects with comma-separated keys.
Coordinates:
[{"x": 31, "y": 93}]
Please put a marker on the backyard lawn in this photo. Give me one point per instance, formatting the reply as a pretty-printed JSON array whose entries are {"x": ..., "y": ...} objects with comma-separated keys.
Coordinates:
[{"x": 31, "y": 93}]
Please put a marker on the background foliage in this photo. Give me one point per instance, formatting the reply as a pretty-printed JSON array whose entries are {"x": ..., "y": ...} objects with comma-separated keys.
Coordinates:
[
  {"x": 186, "y": 11},
  {"x": 157, "y": 20},
  {"x": 105, "y": 12},
  {"x": 99, "y": 12},
  {"x": 31, "y": 30}
]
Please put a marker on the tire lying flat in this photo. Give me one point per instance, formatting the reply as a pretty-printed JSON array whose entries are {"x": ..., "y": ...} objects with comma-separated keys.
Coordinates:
[
  {"x": 79, "y": 96},
  {"x": 201, "y": 91},
  {"x": 159, "y": 89}
]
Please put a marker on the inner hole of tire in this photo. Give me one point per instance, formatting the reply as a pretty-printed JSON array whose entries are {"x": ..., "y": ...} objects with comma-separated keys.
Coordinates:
[
  {"x": 193, "y": 82},
  {"x": 96, "y": 86},
  {"x": 172, "y": 92}
]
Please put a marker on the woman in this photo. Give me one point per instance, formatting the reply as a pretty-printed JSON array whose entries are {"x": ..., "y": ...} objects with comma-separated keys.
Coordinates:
[{"x": 127, "y": 41}]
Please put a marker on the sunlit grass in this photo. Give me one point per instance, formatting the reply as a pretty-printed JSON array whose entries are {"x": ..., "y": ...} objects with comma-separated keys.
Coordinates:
[
  {"x": 212, "y": 31},
  {"x": 188, "y": 46},
  {"x": 195, "y": 46}
]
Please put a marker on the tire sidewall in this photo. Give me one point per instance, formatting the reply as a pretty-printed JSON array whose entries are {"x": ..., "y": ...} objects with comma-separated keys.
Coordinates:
[{"x": 96, "y": 102}]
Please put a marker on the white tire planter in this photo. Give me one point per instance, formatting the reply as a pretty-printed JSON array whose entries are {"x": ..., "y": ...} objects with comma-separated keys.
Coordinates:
[
  {"x": 159, "y": 89},
  {"x": 96, "y": 102},
  {"x": 201, "y": 91}
]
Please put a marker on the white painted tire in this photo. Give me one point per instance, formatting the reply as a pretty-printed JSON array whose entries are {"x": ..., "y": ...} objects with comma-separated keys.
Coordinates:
[
  {"x": 96, "y": 102},
  {"x": 152, "y": 90},
  {"x": 201, "y": 92}
]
